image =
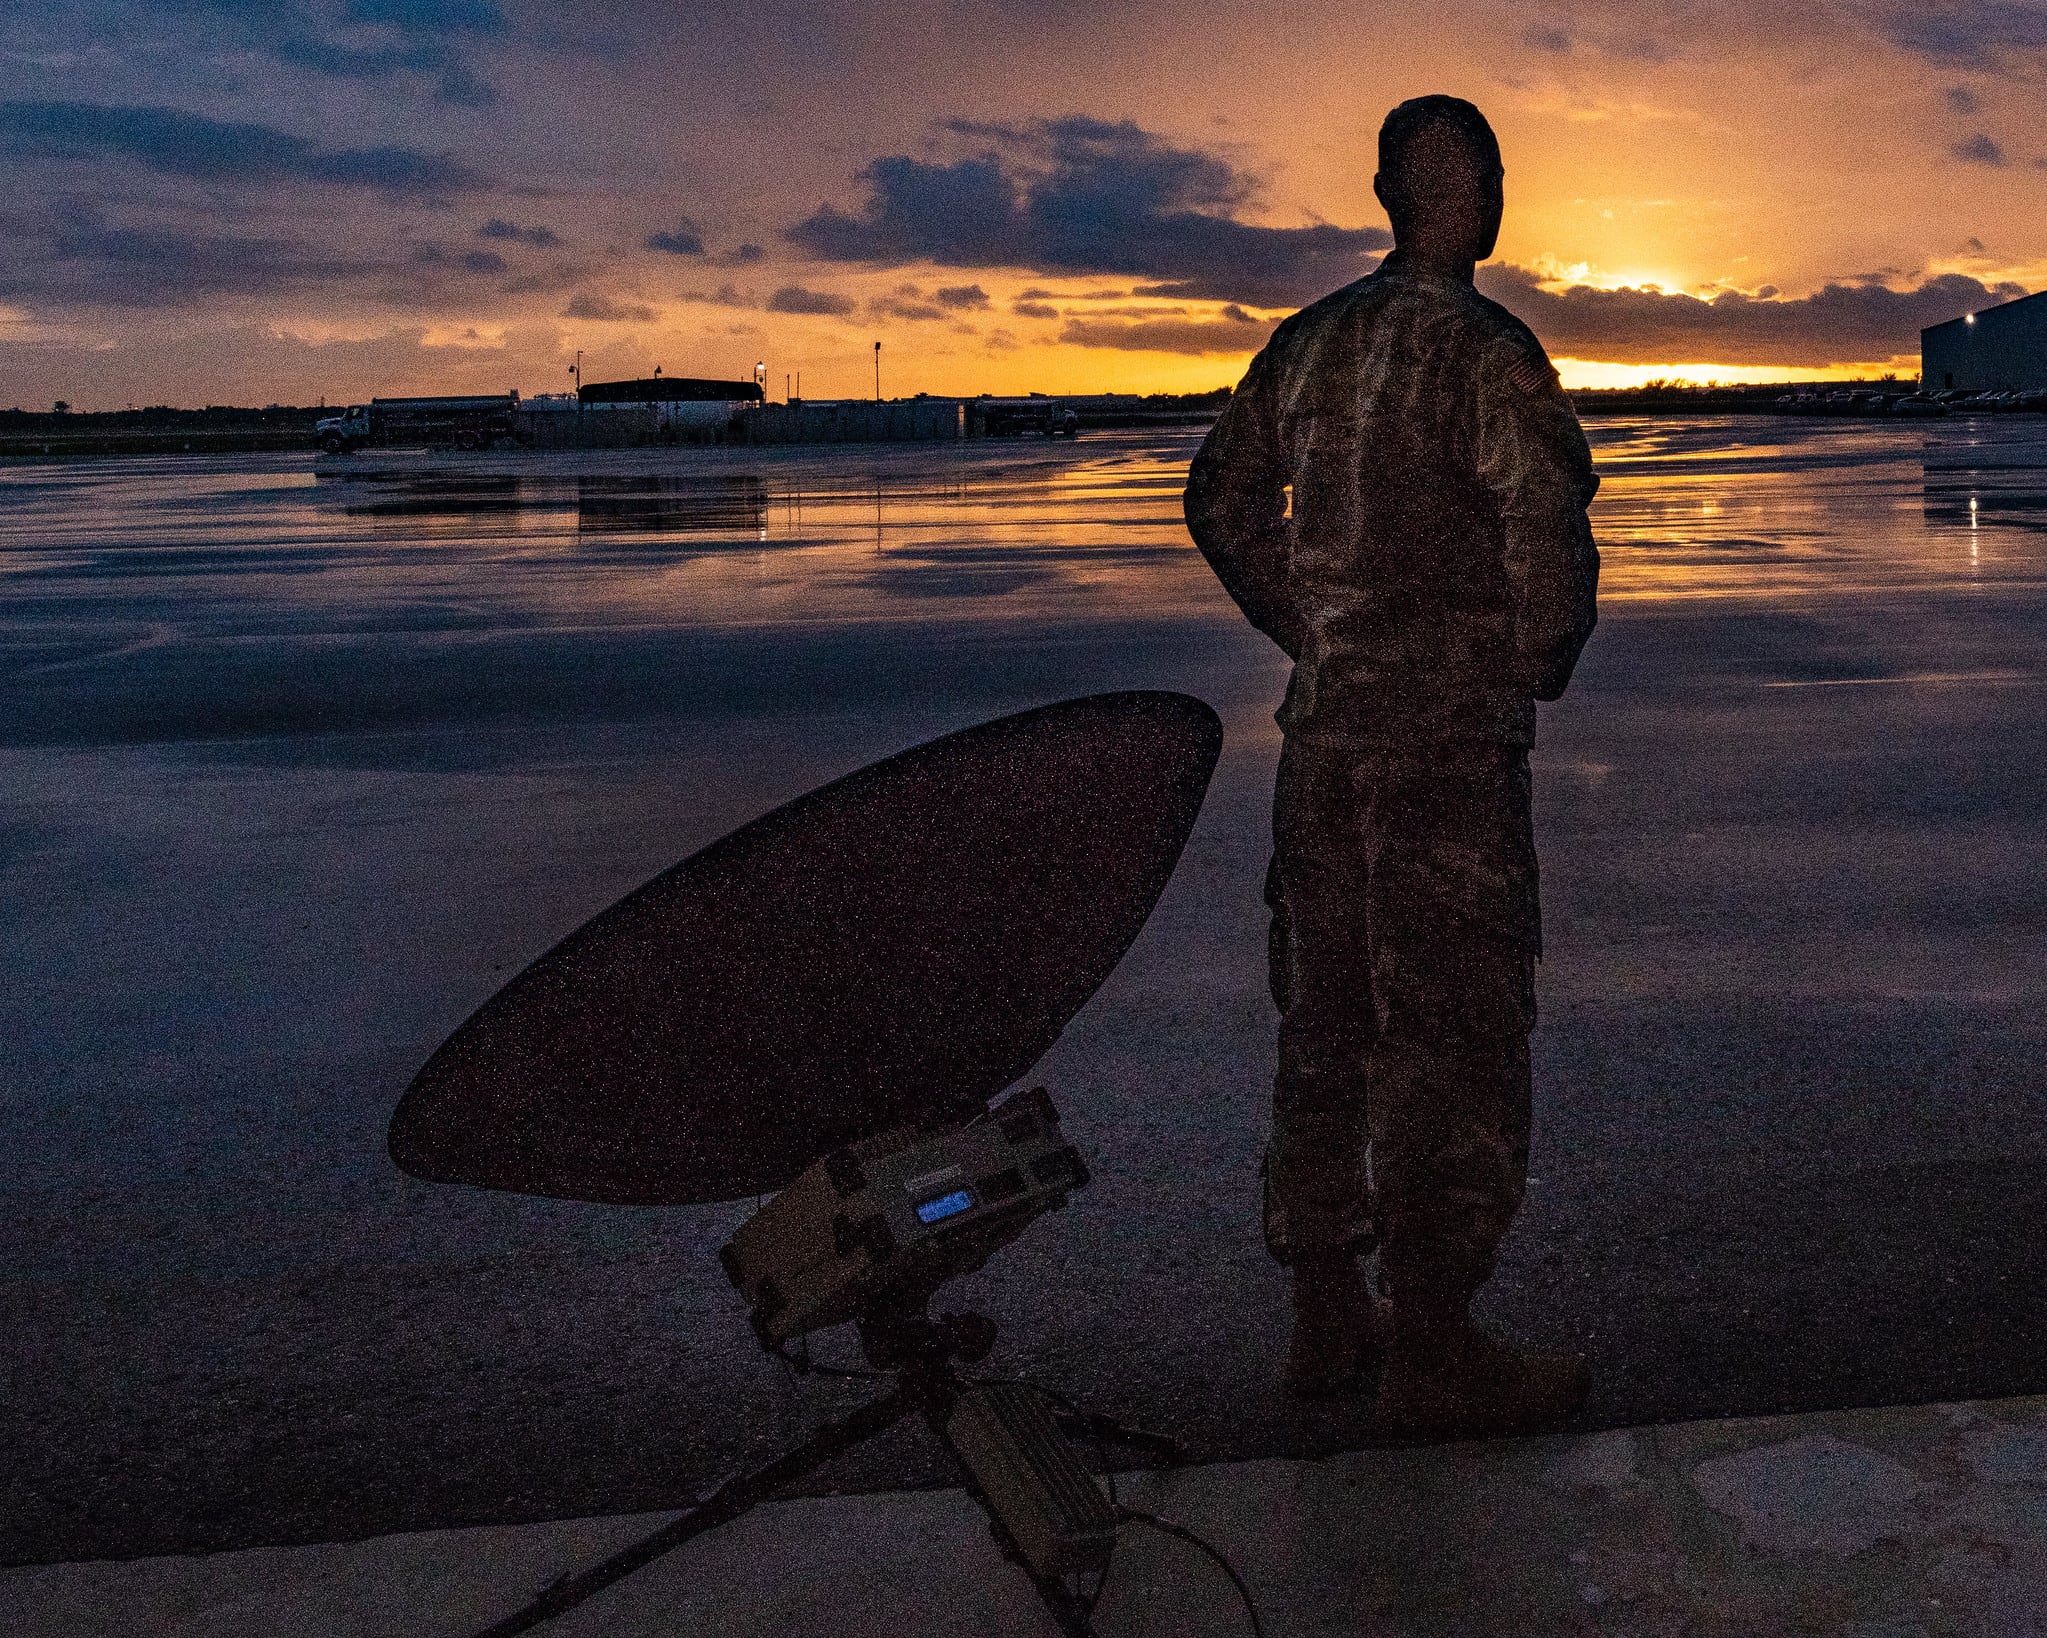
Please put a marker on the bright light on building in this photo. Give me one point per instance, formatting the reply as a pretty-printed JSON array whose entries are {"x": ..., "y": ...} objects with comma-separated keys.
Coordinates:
[{"x": 1994, "y": 349}]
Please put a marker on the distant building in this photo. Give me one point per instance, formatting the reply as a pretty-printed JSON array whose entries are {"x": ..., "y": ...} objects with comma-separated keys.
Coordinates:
[
  {"x": 2002, "y": 347},
  {"x": 675, "y": 403}
]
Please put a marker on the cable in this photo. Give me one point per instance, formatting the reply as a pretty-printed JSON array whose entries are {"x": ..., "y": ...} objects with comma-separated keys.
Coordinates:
[{"x": 1181, "y": 1532}]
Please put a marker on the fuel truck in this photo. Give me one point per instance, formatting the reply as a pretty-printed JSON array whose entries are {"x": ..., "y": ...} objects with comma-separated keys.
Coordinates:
[{"x": 440, "y": 423}]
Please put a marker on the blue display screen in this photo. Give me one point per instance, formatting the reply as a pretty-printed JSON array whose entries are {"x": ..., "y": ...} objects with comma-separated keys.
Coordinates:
[{"x": 946, "y": 1205}]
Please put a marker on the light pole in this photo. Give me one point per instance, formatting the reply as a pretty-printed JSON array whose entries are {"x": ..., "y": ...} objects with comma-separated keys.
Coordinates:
[{"x": 877, "y": 372}]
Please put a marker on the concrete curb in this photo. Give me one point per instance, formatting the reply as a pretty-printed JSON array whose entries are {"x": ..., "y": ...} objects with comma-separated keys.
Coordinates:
[{"x": 1908, "y": 1522}]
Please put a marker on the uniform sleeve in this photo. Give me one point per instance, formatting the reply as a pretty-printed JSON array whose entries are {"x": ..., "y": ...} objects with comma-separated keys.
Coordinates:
[
  {"x": 1533, "y": 459},
  {"x": 1236, "y": 508}
]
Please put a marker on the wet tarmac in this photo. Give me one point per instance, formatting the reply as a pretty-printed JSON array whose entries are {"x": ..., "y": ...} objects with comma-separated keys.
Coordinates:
[{"x": 303, "y": 759}]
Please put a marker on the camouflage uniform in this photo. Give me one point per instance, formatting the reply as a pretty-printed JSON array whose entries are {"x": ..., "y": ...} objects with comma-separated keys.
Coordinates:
[{"x": 1432, "y": 577}]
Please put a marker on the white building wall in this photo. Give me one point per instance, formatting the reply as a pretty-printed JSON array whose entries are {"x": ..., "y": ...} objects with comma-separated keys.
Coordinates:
[{"x": 712, "y": 413}]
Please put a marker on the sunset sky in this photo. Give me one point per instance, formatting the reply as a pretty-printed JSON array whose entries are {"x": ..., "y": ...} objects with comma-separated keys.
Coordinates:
[{"x": 283, "y": 200}]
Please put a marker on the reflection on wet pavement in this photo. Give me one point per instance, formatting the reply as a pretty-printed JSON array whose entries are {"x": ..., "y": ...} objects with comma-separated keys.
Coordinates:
[
  {"x": 1769, "y": 508},
  {"x": 1986, "y": 484},
  {"x": 656, "y": 504},
  {"x": 271, "y": 594},
  {"x": 436, "y": 494},
  {"x": 1734, "y": 505}
]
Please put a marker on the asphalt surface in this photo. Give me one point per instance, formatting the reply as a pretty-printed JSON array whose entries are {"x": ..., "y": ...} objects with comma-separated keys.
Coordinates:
[{"x": 291, "y": 783}]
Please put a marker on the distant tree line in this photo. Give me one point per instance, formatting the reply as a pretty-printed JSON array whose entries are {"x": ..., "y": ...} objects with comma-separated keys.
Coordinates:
[{"x": 62, "y": 418}]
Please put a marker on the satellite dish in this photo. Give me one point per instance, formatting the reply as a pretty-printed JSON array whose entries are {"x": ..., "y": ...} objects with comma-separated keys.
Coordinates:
[{"x": 893, "y": 948}]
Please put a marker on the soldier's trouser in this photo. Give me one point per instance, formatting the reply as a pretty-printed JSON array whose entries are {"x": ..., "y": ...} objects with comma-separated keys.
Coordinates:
[{"x": 1405, "y": 930}]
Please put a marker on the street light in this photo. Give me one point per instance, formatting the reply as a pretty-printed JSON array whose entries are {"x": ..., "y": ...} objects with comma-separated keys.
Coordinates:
[{"x": 877, "y": 372}]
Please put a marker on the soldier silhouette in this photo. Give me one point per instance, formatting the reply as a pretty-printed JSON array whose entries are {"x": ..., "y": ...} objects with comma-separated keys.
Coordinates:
[{"x": 1396, "y": 496}]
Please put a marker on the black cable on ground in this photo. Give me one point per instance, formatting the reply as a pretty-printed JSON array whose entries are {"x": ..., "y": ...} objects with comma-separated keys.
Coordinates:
[{"x": 1182, "y": 1533}]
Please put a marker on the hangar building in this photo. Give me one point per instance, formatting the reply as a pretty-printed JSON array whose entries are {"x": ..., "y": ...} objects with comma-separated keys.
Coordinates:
[
  {"x": 2003, "y": 347},
  {"x": 675, "y": 402}
]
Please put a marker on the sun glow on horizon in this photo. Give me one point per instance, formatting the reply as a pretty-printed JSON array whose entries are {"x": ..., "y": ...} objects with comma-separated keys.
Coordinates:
[
  {"x": 1584, "y": 373},
  {"x": 1556, "y": 275}
]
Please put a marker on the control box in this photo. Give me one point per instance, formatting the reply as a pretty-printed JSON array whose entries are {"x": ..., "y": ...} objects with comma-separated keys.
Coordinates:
[{"x": 905, "y": 1209}]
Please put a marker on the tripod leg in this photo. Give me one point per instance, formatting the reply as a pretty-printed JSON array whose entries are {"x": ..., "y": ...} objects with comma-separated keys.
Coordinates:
[
  {"x": 1070, "y": 1612},
  {"x": 1110, "y": 1431},
  {"x": 724, "y": 1504}
]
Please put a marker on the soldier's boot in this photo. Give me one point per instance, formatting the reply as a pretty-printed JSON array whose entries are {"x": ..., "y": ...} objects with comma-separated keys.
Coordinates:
[
  {"x": 1336, "y": 1332},
  {"x": 1445, "y": 1377}
]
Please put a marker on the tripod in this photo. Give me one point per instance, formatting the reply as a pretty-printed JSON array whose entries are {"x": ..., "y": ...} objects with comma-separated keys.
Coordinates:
[{"x": 898, "y": 1334}]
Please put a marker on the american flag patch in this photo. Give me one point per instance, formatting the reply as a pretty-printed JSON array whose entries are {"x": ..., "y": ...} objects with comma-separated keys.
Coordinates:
[{"x": 1532, "y": 374}]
